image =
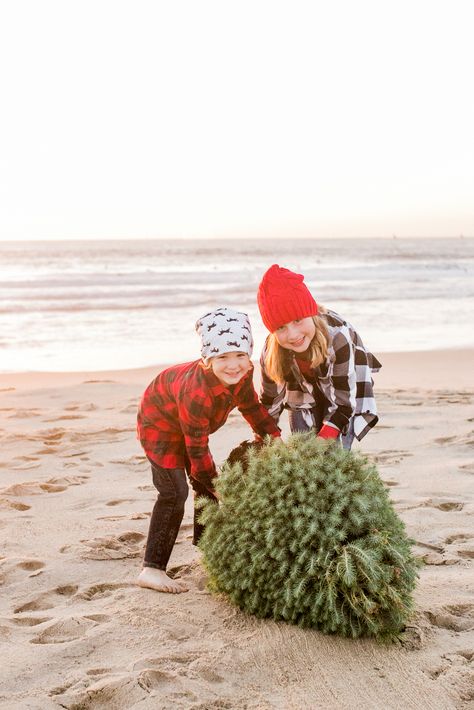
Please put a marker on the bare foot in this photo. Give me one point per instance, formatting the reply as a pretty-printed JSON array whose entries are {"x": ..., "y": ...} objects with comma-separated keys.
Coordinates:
[{"x": 157, "y": 579}]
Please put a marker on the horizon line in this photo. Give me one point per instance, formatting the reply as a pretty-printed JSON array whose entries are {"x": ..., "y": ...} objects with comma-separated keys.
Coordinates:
[{"x": 393, "y": 237}]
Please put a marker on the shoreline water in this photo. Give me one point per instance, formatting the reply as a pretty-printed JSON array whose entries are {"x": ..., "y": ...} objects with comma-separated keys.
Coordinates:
[{"x": 73, "y": 306}]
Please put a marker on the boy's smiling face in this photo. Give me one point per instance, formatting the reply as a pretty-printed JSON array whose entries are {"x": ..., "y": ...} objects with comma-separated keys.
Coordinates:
[{"x": 229, "y": 368}]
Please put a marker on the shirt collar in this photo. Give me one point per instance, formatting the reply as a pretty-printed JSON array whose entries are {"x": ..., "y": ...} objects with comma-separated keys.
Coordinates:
[{"x": 216, "y": 386}]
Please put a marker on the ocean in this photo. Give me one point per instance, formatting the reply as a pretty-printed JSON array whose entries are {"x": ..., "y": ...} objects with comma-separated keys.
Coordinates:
[{"x": 67, "y": 306}]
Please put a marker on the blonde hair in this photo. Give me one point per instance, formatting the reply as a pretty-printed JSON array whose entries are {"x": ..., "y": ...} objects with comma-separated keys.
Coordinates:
[{"x": 277, "y": 358}]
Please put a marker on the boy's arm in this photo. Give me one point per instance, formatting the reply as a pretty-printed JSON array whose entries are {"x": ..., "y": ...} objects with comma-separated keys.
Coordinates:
[
  {"x": 194, "y": 421},
  {"x": 272, "y": 395}
]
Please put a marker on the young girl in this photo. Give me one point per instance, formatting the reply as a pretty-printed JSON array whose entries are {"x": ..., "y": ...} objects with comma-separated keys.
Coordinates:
[
  {"x": 179, "y": 410},
  {"x": 313, "y": 362}
]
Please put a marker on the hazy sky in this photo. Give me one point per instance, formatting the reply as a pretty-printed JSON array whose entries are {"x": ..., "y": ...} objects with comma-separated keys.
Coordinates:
[{"x": 251, "y": 118}]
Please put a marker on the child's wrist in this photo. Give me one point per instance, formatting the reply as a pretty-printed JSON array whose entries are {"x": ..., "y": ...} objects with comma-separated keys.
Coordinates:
[{"x": 328, "y": 431}]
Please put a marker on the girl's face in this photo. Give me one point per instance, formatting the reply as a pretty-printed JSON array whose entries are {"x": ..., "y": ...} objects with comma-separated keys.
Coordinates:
[
  {"x": 229, "y": 368},
  {"x": 296, "y": 335}
]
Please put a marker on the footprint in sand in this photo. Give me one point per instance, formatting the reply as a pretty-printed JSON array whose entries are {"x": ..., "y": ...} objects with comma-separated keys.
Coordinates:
[
  {"x": 131, "y": 461},
  {"x": 129, "y": 408},
  {"x": 91, "y": 676},
  {"x": 132, "y": 516},
  {"x": 32, "y": 488},
  {"x": 463, "y": 439},
  {"x": 390, "y": 456},
  {"x": 110, "y": 434},
  {"x": 436, "y": 559},
  {"x": 468, "y": 467},
  {"x": 25, "y": 413},
  {"x": 168, "y": 662},
  {"x": 117, "y": 690},
  {"x": 104, "y": 589},
  {"x": 27, "y": 466},
  {"x": 390, "y": 482},
  {"x": 457, "y": 537},
  {"x": 52, "y": 485},
  {"x": 455, "y": 672},
  {"x": 68, "y": 629},
  {"x": 69, "y": 480},
  {"x": 454, "y": 617},
  {"x": 192, "y": 573},
  {"x": 31, "y": 620},
  {"x": 74, "y": 407},
  {"x": 444, "y": 505},
  {"x": 6, "y": 504},
  {"x": 30, "y": 565},
  {"x": 187, "y": 663},
  {"x": 11, "y": 568},
  {"x": 49, "y": 599},
  {"x": 51, "y": 436},
  {"x": 47, "y": 450},
  {"x": 97, "y": 382},
  {"x": 130, "y": 689},
  {"x": 114, "y": 547},
  {"x": 464, "y": 544},
  {"x": 118, "y": 501},
  {"x": 97, "y": 671},
  {"x": 74, "y": 454},
  {"x": 436, "y": 556},
  {"x": 184, "y": 533},
  {"x": 65, "y": 417}
]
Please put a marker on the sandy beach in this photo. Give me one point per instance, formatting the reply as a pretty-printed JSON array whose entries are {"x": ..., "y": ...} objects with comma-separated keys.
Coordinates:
[{"x": 75, "y": 498}]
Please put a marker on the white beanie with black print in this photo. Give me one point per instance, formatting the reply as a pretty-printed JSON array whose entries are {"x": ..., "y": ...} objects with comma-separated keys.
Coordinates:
[{"x": 224, "y": 331}]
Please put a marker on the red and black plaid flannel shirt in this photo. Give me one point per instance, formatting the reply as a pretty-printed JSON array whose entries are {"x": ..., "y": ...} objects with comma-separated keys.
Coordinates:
[{"x": 184, "y": 405}]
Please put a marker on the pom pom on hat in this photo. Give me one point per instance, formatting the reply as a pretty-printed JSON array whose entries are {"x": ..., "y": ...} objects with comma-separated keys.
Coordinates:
[
  {"x": 283, "y": 296},
  {"x": 224, "y": 331}
]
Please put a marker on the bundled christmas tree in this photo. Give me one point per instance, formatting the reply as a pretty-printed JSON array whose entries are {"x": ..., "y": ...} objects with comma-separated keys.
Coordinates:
[{"x": 305, "y": 532}]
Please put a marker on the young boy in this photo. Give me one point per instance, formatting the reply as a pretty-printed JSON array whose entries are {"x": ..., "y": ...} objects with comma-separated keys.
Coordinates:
[{"x": 179, "y": 410}]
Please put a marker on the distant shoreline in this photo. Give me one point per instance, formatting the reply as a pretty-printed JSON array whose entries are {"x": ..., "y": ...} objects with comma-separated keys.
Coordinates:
[{"x": 121, "y": 240}]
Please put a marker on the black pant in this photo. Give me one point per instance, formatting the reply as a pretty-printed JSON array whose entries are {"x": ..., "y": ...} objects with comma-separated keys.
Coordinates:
[{"x": 168, "y": 513}]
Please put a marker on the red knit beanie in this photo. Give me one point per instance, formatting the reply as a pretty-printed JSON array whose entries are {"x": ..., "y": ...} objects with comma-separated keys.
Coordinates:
[{"x": 283, "y": 297}]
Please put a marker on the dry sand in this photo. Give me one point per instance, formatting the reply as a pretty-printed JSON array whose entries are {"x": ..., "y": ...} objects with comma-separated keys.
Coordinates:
[{"x": 75, "y": 497}]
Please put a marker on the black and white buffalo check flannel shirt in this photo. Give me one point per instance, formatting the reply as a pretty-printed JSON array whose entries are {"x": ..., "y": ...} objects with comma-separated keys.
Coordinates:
[{"x": 344, "y": 380}]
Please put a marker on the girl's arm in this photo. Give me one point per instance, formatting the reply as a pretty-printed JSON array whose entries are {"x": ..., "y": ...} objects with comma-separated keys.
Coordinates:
[{"x": 340, "y": 385}]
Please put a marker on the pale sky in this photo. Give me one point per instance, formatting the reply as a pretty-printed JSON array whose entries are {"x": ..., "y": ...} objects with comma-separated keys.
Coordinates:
[{"x": 222, "y": 119}]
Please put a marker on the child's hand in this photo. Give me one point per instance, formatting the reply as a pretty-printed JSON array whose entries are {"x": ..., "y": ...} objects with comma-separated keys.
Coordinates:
[{"x": 328, "y": 432}]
